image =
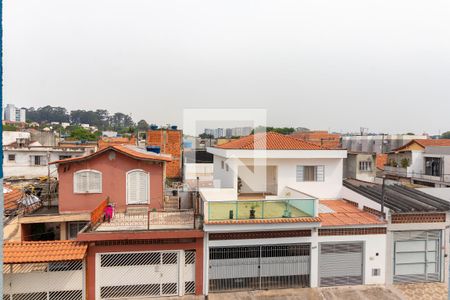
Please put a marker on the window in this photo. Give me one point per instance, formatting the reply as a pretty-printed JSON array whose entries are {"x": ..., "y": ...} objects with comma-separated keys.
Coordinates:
[
  {"x": 365, "y": 166},
  {"x": 138, "y": 187},
  {"x": 310, "y": 173},
  {"x": 64, "y": 157},
  {"x": 222, "y": 163},
  {"x": 226, "y": 167},
  {"x": 11, "y": 157},
  {"x": 433, "y": 166},
  {"x": 74, "y": 228},
  {"x": 38, "y": 160},
  {"x": 87, "y": 181}
]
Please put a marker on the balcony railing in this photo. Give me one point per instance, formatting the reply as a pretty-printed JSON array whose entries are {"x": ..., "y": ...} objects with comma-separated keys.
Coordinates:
[
  {"x": 153, "y": 220},
  {"x": 260, "y": 209}
]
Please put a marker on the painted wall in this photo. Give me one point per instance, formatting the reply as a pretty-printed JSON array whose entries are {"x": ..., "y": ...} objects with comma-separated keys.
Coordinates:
[
  {"x": 286, "y": 175},
  {"x": 113, "y": 167}
]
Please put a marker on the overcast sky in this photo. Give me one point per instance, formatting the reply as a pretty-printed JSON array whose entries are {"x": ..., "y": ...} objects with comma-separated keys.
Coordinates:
[{"x": 322, "y": 64}]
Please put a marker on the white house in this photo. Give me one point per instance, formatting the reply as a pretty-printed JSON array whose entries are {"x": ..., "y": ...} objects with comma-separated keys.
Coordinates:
[
  {"x": 30, "y": 160},
  {"x": 425, "y": 162},
  {"x": 275, "y": 219}
]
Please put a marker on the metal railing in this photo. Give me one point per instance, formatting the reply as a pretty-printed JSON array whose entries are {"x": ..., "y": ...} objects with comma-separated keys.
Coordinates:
[{"x": 260, "y": 209}]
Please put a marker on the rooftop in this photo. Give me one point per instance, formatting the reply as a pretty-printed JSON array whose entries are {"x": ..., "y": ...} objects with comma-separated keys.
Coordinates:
[
  {"x": 426, "y": 143},
  {"x": 128, "y": 150},
  {"x": 38, "y": 252},
  {"x": 270, "y": 141},
  {"x": 342, "y": 213},
  {"x": 11, "y": 197},
  {"x": 399, "y": 198}
]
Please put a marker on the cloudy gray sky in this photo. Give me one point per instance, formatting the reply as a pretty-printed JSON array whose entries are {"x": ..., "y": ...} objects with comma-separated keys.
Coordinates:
[{"x": 324, "y": 64}]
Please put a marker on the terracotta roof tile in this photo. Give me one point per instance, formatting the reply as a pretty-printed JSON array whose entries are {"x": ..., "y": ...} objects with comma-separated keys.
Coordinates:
[
  {"x": 46, "y": 251},
  {"x": 345, "y": 214},
  {"x": 11, "y": 196},
  {"x": 265, "y": 221},
  {"x": 426, "y": 143},
  {"x": 128, "y": 150},
  {"x": 270, "y": 141}
]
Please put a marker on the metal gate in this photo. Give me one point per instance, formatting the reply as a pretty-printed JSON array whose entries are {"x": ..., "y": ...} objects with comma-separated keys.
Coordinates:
[
  {"x": 341, "y": 263},
  {"x": 137, "y": 274},
  {"x": 259, "y": 267},
  {"x": 417, "y": 256},
  {"x": 44, "y": 281}
]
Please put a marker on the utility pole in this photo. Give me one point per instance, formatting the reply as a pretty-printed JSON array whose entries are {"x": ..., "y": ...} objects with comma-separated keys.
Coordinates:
[
  {"x": 383, "y": 191},
  {"x": 49, "y": 198}
]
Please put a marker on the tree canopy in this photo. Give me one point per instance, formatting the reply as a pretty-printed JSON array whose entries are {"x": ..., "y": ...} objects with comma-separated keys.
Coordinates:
[{"x": 445, "y": 135}]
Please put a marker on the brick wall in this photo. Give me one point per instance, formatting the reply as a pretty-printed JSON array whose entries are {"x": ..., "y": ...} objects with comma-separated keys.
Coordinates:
[
  {"x": 351, "y": 231},
  {"x": 418, "y": 218},
  {"x": 170, "y": 142},
  {"x": 258, "y": 235}
]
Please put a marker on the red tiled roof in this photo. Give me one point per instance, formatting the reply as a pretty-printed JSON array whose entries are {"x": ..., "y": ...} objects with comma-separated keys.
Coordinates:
[
  {"x": 265, "y": 221},
  {"x": 11, "y": 196},
  {"x": 345, "y": 214},
  {"x": 321, "y": 138},
  {"x": 46, "y": 251},
  {"x": 270, "y": 141},
  {"x": 427, "y": 143},
  {"x": 128, "y": 150}
]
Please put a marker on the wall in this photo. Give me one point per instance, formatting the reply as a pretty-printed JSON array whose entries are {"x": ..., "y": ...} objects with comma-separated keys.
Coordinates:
[
  {"x": 11, "y": 136},
  {"x": 23, "y": 167},
  {"x": 113, "y": 168},
  {"x": 171, "y": 142},
  {"x": 193, "y": 170}
]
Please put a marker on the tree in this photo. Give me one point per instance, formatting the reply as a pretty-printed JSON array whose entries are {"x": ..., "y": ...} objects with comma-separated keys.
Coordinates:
[
  {"x": 81, "y": 134},
  {"x": 9, "y": 127},
  {"x": 142, "y": 125},
  {"x": 282, "y": 130},
  {"x": 445, "y": 135},
  {"x": 206, "y": 136}
]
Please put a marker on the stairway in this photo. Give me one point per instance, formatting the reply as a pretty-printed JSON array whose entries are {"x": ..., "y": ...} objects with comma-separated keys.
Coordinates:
[{"x": 171, "y": 203}]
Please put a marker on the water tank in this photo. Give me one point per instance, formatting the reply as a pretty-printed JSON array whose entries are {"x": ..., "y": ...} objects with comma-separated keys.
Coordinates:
[
  {"x": 174, "y": 127},
  {"x": 154, "y": 149}
]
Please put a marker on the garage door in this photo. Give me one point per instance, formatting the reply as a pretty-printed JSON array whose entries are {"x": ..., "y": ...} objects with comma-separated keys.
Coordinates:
[
  {"x": 144, "y": 274},
  {"x": 341, "y": 263},
  {"x": 417, "y": 256},
  {"x": 259, "y": 267}
]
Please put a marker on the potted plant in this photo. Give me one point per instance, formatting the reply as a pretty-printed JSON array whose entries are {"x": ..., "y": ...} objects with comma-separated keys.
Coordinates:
[
  {"x": 252, "y": 211},
  {"x": 239, "y": 185},
  {"x": 231, "y": 214},
  {"x": 404, "y": 162}
]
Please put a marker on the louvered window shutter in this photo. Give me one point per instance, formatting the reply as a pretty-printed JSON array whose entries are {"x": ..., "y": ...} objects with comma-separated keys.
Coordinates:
[
  {"x": 88, "y": 182},
  {"x": 95, "y": 183},
  {"x": 137, "y": 187},
  {"x": 300, "y": 172},
  {"x": 320, "y": 173}
]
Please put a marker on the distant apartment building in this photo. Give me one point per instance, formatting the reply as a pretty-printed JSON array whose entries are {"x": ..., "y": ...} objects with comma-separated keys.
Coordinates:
[
  {"x": 218, "y": 133},
  {"x": 377, "y": 143},
  {"x": 14, "y": 114}
]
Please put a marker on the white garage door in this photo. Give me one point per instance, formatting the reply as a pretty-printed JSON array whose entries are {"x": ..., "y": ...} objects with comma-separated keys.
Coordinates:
[
  {"x": 417, "y": 256},
  {"x": 144, "y": 274},
  {"x": 341, "y": 263}
]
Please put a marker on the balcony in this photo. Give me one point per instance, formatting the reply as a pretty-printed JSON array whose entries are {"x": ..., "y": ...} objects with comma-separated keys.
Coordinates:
[
  {"x": 264, "y": 209},
  {"x": 140, "y": 219},
  {"x": 153, "y": 220},
  {"x": 226, "y": 205},
  {"x": 398, "y": 171}
]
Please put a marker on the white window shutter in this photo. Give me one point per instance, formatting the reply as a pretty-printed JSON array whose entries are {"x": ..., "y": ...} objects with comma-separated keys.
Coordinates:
[
  {"x": 137, "y": 187},
  {"x": 88, "y": 182},
  {"x": 320, "y": 173},
  {"x": 299, "y": 174},
  {"x": 132, "y": 193}
]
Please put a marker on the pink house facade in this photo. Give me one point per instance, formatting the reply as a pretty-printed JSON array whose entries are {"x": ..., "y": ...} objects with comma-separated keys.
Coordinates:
[{"x": 124, "y": 175}]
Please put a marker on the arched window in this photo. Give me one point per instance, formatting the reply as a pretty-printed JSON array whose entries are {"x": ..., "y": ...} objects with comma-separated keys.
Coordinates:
[
  {"x": 138, "y": 187},
  {"x": 87, "y": 181}
]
